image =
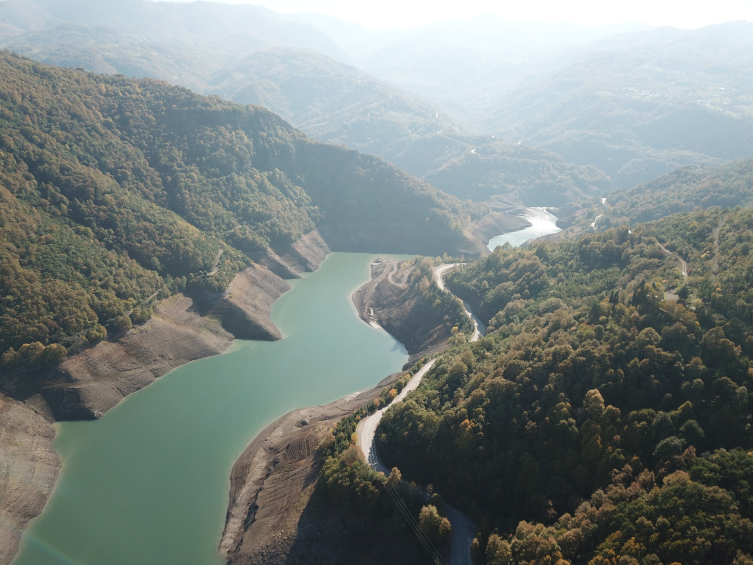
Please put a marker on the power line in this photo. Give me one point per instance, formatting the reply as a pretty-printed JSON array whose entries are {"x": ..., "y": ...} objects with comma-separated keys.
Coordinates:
[
  {"x": 420, "y": 534},
  {"x": 423, "y": 538}
]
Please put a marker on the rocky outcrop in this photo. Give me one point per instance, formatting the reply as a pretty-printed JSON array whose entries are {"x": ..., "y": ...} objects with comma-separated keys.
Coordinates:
[
  {"x": 390, "y": 302},
  {"x": 246, "y": 306},
  {"x": 311, "y": 250},
  {"x": 28, "y": 467},
  {"x": 271, "y": 484},
  {"x": 303, "y": 256}
]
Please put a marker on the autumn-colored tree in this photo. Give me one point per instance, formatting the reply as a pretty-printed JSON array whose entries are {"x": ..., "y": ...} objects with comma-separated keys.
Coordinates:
[
  {"x": 393, "y": 481},
  {"x": 437, "y": 528}
]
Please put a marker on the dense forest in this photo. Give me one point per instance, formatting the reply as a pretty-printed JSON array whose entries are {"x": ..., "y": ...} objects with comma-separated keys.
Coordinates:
[
  {"x": 605, "y": 417},
  {"x": 117, "y": 192},
  {"x": 683, "y": 190}
]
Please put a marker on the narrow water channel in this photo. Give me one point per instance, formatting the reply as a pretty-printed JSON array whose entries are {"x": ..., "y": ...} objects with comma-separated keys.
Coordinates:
[
  {"x": 148, "y": 483},
  {"x": 542, "y": 223}
]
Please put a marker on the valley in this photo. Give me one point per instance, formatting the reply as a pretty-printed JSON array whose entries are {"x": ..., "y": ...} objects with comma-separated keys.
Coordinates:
[
  {"x": 280, "y": 288},
  {"x": 136, "y": 474}
]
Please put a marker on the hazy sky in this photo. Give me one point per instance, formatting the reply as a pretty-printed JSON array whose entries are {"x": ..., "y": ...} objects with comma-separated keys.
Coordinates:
[{"x": 408, "y": 13}]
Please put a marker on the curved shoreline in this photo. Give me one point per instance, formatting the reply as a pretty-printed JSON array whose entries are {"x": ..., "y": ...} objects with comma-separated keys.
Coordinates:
[
  {"x": 320, "y": 416},
  {"x": 87, "y": 385},
  {"x": 278, "y": 469}
]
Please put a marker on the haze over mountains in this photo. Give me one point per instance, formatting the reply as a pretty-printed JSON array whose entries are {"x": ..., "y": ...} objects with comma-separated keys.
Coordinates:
[
  {"x": 154, "y": 196},
  {"x": 615, "y": 101},
  {"x": 640, "y": 104}
]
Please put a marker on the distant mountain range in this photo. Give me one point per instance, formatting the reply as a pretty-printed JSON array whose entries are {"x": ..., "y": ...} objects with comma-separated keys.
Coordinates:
[
  {"x": 546, "y": 113},
  {"x": 329, "y": 100},
  {"x": 639, "y": 105}
]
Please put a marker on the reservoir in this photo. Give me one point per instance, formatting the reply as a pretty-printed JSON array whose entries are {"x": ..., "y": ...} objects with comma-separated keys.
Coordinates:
[
  {"x": 542, "y": 223},
  {"x": 148, "y": 483}
]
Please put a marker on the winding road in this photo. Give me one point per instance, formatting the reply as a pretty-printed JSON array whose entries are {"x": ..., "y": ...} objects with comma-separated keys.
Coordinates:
[
  {"x": 479, "y": 329},
  {"x": 683, "y": 264},
  {"x": 367, "y": 427},
  {"x": 463, "y": 528}
]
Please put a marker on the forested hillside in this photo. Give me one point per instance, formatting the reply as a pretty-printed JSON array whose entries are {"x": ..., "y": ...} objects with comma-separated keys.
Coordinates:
[
  {"x": 606, "y": 416},
  {"x": 683, "y": 190},
  {"x": 536, "y": 176},
  {"x": 639, "y": 105},
  {"x": 338, "y": 103},
  {"x": 116, "y": 192},
  {"x": 602, "y": 109},
  {"x": 229, "y": 30},
  {"x": 335, "y": 103}
]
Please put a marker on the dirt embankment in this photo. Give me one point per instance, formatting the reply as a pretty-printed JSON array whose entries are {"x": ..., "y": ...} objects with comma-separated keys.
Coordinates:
[
  {"x": 88, "y": 384},
  {"x": 268, "y": 520},
  {"x": 303, "y": 256},
  {"x": 28, "y": 469},
  {"x": 246, "y": 306},
  {"x": 390, "y": 302}
]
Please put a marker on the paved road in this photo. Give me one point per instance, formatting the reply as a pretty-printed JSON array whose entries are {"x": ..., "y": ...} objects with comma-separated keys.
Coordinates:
[
  {"x": 367, "y": 427},
  {"x": 479, "y": 329},
  {"x": 463, "y": 532},
  {"x": 683, "y": 264},
  {"x": 463, "y": 529}
]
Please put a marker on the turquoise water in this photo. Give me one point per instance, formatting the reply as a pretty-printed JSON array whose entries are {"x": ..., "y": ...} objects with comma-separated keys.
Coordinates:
[
  {"x": 542, "y": 223},
  {"x": 148, "y": 483}
]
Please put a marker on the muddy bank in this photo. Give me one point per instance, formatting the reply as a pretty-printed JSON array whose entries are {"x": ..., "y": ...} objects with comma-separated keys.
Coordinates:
[
  {"x": 389, "y": 301},
  {"x": 272, "y": 482},
  {"x": 28, "y": 467}
]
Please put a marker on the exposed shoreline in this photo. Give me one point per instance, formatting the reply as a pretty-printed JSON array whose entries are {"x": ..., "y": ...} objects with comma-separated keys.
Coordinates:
[
  {"x": 388, "y": 301},
  {"x": 273, "y": 479},
  {"x": 87, "y": 385}
]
